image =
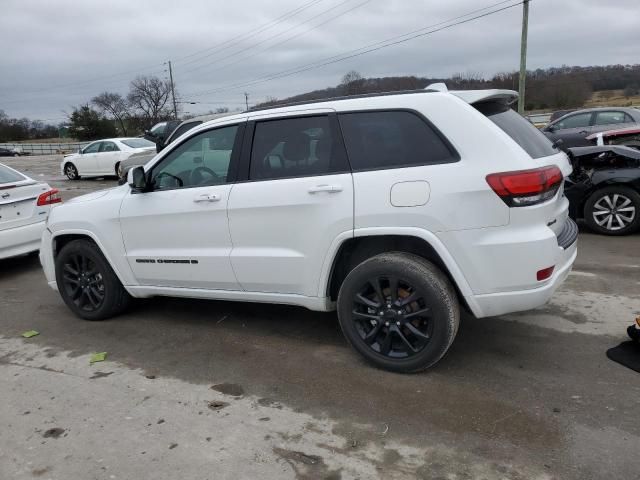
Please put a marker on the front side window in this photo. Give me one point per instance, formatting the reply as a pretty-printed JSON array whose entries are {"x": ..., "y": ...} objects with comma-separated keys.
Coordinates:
[
  {"x": 182, "y": 129},
  {"x": 109, "y": 147},
  {"x": 202, "y": 160},
  {"x": 92, "y": 148},
  {"x": 609, "y": 118},
  {"x": 392, "y": 139},
  {"x": 574, "y": 121},
  {"x": 295, "y": 147}
]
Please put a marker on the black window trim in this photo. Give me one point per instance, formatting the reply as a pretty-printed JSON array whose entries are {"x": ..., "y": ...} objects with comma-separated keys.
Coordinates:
[
  {"x": 233, "y": 162},
  {"x": 455, "y": 156},
  {"x": 245, "y": 162}
]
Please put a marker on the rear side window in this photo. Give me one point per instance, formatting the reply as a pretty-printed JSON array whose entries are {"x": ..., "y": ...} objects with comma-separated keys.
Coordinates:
[
  {"x": 377, "y": 140},
  {"x": 295, "y": 147},
  {"x": 609, "y": 118},
  {"x": 518, "y": 128},
  {"x": 9, "y": 176}
]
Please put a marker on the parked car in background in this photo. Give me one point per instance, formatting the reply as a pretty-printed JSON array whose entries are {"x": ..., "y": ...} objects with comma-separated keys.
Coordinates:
[
  {"x": 5, "y": 152},
  {"x": 398, "y": 209},
  {"x": 24, "y": 207},
  {"x": 574, "y": 128},
  {"x": 539, "y": 120},
  {"x": 140, "y": 158},
  {"x": 604, "y": 188},
  {"x": 559, "y": 113},
  {"x": 102, "y": 157},
  {"x": 161, "y": 130},
  {"x": 629, "y": 136}
]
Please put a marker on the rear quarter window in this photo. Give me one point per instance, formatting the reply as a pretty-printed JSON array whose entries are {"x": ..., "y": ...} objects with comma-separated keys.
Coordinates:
[
  {"x": 392, "y": 139},
  {"x": 532, "y": 140},
  {"x": 9, "y": 176}
]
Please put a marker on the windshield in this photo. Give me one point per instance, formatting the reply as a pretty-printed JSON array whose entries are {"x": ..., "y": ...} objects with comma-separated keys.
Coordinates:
[
  {"x": 138, "y": 143},
  {"x": 518, "y": 128},
  {"x": 10, "y": 176}
]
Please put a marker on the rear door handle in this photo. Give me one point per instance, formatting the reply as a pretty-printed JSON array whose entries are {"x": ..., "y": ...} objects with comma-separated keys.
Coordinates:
[
  {"x": 325, "y": 188},
  {"x": 207, "y": 197}
]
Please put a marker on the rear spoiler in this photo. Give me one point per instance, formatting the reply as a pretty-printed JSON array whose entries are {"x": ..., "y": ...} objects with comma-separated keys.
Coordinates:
[{"x": 477, "y": 96}]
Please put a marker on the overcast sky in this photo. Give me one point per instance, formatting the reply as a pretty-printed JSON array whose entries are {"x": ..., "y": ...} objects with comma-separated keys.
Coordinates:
[{"x": 56, "y": 54}]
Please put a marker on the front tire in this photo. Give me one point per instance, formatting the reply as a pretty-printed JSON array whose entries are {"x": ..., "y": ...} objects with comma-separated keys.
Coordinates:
[
  {"x": 399, "y": 311},
  {"x": 71, "y": 171},
  {"x": 613, "y": 210},
  {"x": 87, "y": 283}
]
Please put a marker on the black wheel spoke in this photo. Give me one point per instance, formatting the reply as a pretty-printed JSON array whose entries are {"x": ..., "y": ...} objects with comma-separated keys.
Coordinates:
[
  {"x": 376, "y": 287},
  {"x": 406, "y": 341},
  {"x": 418, "y": 313},
  {"x": 393, "y": 289},
  {"x": 365, "y": 316},
  {"x": 82, "y": 282},
  {"x": 413, "y": 296},
  {"x": 69, "y": 269},
  {"x": 373, "y": 334},
  {"x": 365, "y": 301},
  {"x": 385, "y": 347},
  {"x": 415, "y": 331}
]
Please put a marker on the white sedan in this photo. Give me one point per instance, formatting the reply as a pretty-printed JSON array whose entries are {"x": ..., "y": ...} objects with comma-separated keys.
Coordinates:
[
  {"x": 102, "y": 157},
  {"x": 24, "y": 208}
]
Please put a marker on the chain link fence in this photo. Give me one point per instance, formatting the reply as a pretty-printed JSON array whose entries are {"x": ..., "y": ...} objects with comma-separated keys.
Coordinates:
[{"x": 43, "y": 148}]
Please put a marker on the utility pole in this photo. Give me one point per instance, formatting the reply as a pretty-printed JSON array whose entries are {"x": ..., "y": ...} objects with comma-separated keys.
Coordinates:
[
  {"x": 246, "y": 100},
  {"x": 523, "y": 55},
  {"x": 173, "y": 92}
]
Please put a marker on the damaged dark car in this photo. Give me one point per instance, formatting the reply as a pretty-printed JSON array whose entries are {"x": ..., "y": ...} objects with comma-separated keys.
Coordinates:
[{"x": 604, "y": 188}]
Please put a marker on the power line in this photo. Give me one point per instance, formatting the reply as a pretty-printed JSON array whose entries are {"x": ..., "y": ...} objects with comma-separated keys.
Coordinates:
[
  {"x": 239, "y": 38},
  {"x": 367, "y": 49},
  {"x": 216, "y": 62}
]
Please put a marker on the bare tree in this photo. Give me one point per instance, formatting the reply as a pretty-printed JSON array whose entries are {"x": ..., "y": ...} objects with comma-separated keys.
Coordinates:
[
  {"x": 352, "y": 83},
  {"x": 114, "y": 105},
  {"x": 149, "y": 96}
]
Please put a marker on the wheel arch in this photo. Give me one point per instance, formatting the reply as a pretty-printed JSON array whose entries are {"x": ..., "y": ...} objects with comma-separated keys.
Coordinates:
[
  {"x": 59, "y": 240},
  {"x": 365, "y": 244}
]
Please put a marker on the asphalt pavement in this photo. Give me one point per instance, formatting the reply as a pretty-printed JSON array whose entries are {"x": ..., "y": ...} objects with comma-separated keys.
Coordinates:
[{"x": 196, "y": 389}]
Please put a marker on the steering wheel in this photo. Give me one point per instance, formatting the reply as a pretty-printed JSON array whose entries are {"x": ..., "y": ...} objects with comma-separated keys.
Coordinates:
[{"x": 196, "y": 175}]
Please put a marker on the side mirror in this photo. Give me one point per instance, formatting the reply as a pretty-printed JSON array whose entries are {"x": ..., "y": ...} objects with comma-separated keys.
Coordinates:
[
  {"x": 159, "y": 145},
  {"x": 137, "y": 179}
]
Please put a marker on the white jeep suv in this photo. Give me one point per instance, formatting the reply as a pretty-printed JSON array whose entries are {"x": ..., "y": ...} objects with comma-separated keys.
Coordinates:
[{"x": 396, "y": 209}]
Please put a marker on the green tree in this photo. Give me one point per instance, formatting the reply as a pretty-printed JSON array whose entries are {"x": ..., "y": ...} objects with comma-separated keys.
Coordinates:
[{"x": 88, "y": 124}]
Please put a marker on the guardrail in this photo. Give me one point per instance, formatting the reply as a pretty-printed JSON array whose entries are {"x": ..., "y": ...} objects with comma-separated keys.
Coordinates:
[{"x": 44, "y": 148}]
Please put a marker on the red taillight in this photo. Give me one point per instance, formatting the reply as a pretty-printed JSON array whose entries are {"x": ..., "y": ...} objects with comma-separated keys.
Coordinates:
[
  {"x": 526, "y": 187},
  {"x": 49, "y": 198},
  {"x": 544, "y": 273}
]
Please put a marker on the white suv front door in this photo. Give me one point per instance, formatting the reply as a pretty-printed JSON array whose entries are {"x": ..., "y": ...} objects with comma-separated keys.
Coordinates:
[
  {"x": 177, "y": 234},
  {"x": 297, "y": 200}
]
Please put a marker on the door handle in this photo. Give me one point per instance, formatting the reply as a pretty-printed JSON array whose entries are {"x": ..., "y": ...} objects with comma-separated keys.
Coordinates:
[
  {"x": 207, "y": 197},
  {"x": 325, "y": 188}
]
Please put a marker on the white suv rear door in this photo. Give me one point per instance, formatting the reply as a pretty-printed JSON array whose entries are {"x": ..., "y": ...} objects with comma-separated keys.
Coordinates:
[
  {"x": 177, "y": 234},
  {"x": 296, "y": 200}
]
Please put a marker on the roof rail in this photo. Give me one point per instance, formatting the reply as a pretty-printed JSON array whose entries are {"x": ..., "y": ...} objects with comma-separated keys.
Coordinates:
[{"x": 344, "y": 97}]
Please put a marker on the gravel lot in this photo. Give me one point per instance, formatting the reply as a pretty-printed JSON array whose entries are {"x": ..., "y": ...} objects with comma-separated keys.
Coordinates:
[{"x": 220, "y": 390}]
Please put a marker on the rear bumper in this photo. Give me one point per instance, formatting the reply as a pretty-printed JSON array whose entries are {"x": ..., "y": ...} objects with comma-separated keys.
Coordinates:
[
  {"x": 493, "y": 304},
  {"x": 20, "y": 240}
]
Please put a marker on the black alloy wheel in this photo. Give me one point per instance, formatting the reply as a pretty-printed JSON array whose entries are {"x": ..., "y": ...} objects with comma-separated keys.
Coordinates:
[{"x": 83, "y": 283}]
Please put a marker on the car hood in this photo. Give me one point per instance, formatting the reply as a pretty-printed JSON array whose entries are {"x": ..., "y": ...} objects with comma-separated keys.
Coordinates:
[{"x": 91, "y": 196}]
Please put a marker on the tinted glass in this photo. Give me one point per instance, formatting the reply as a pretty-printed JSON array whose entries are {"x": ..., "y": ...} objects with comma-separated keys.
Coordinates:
[
  {"x": 518, "y": 128},
  {"x": 609, "y": 118},
  {"x": 93, "y": 148},
  {"x": 182, "y": 129},
  {"x": 574, "y": 121},
  {"x": 294, "y": 147},
  {"x": 200, "y": 161},
  {"x": 138, "y": 143},
  {"x": 109, "y": 147},
  {"x": 391, "y": 139},
  {"x": 9, "y": 176}
]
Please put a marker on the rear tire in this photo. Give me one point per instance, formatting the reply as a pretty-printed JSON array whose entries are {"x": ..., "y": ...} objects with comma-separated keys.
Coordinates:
[
  {"x": 399, "y": 311},
  {"x": 87, "y": 283},
  {"x": 118, "y": 170},
  {"x": 71, "y": 171},
  {"x": 613, "y": 210}
]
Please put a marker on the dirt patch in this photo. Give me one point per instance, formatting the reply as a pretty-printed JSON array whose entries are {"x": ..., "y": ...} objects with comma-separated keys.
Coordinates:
[
  {"x": 217, "y": 405},
  {"x": 307, "y": 467},
  {"x": 53, "y": 432},
  {"x": 100, "y": 375},
  {"x": 38, "y": 472},
  {"x": 269, "y": 402},
  {"x": 229, "y": 389}
]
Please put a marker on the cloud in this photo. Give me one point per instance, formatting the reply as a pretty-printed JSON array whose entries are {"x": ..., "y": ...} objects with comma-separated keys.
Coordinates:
[{"x": 62, "y": 53}]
